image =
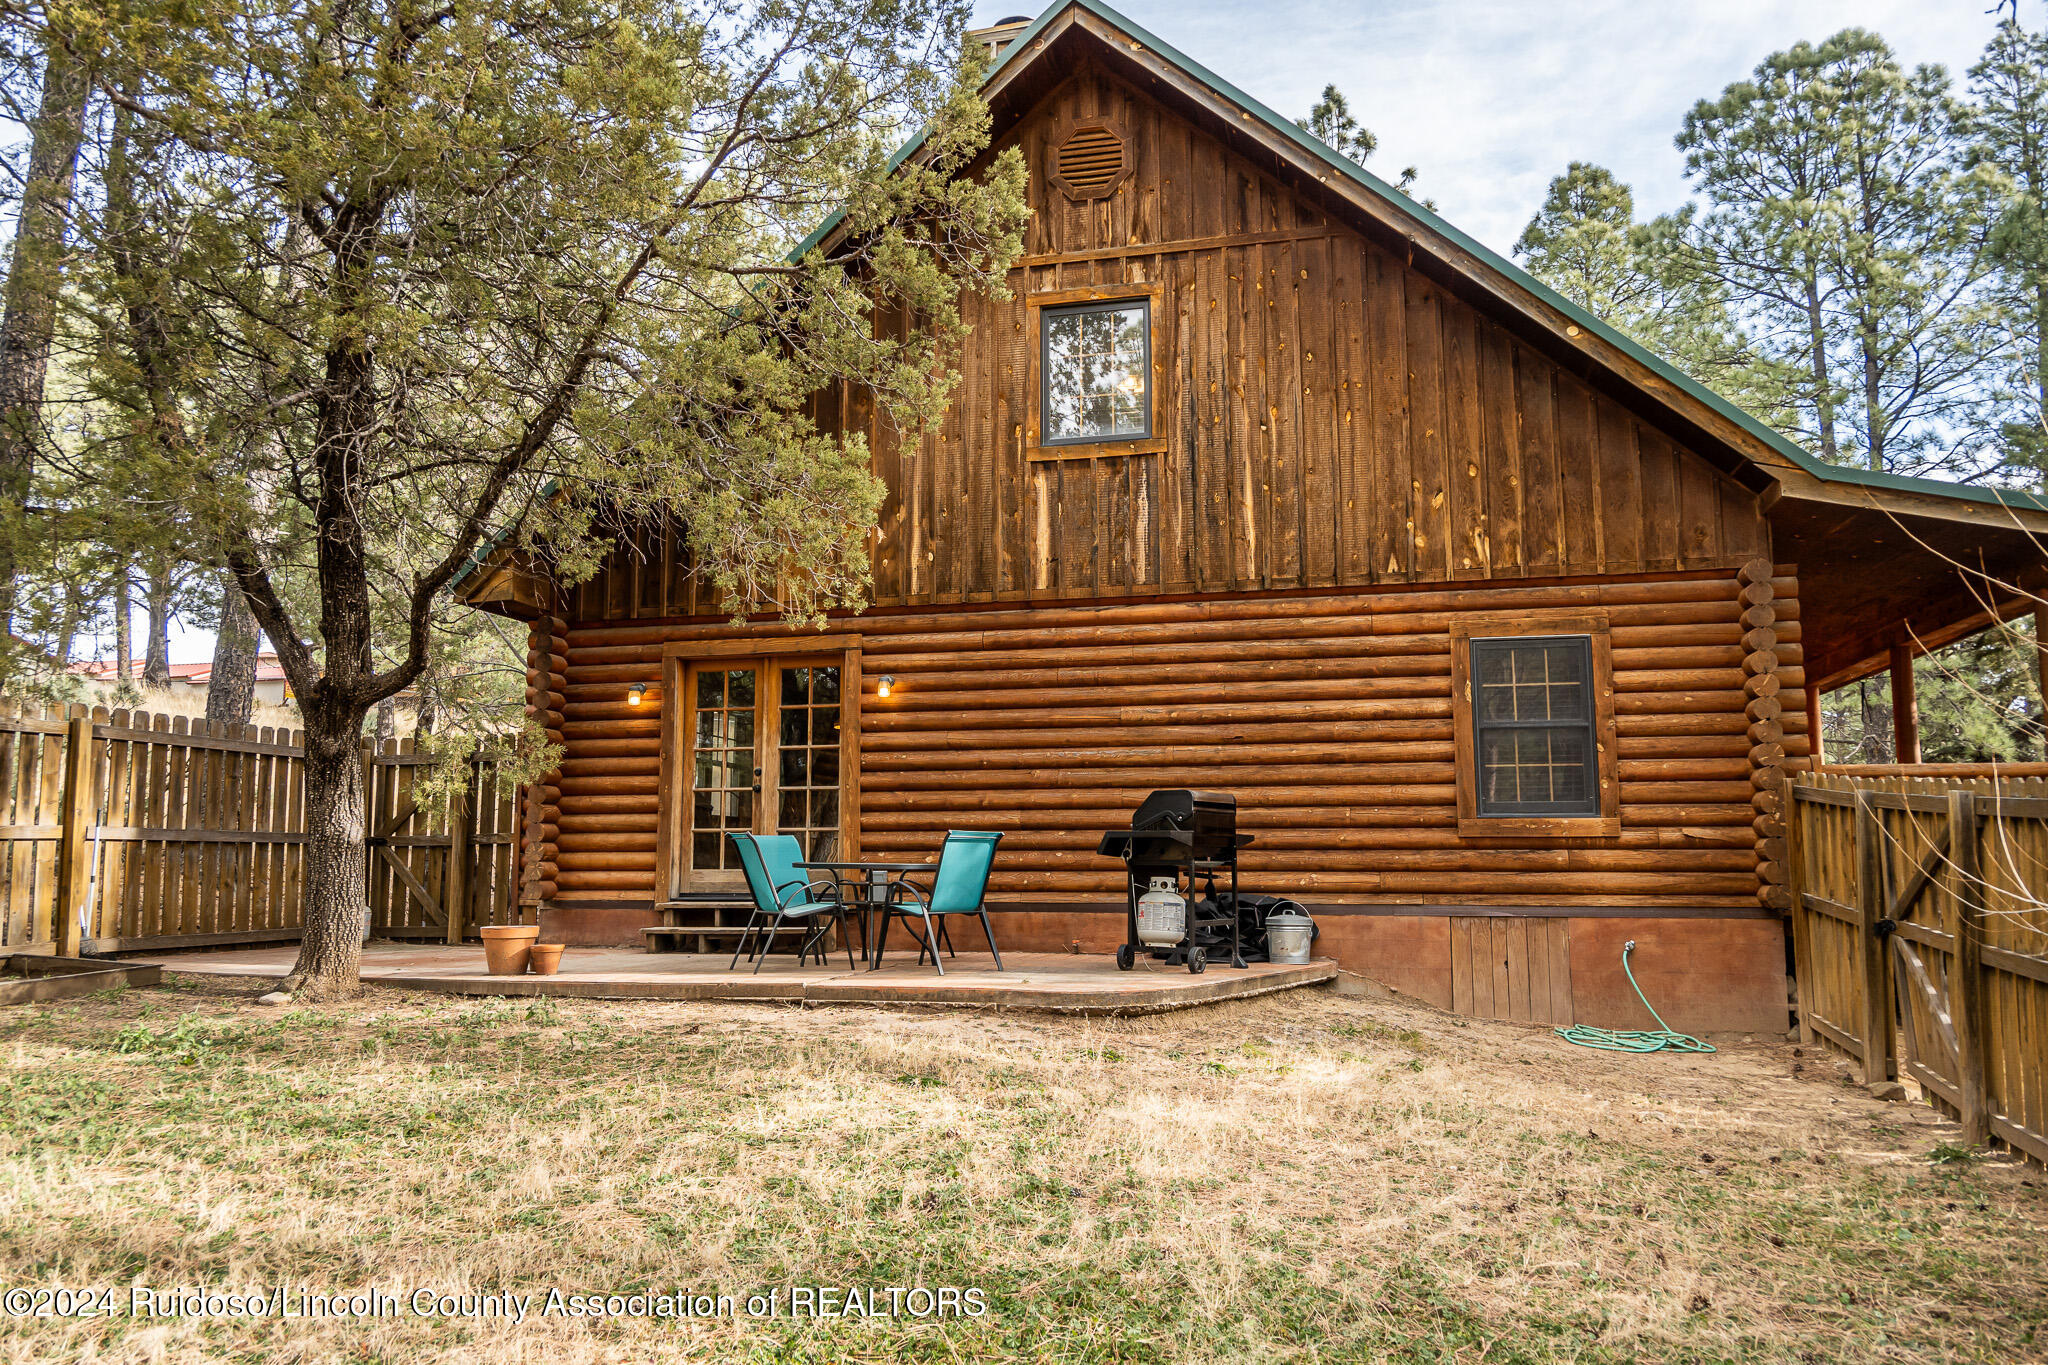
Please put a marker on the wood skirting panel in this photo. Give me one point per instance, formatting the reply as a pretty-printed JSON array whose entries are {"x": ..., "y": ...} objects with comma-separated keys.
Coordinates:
[
  {"x": 1720, "y": 976},
  {"x": 1703, "y": 975},
  {"x": 1519, "y": 969}
]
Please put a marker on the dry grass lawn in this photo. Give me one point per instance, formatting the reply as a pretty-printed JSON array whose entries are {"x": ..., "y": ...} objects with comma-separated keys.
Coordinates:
[{"x": 1307, "y": 1177}]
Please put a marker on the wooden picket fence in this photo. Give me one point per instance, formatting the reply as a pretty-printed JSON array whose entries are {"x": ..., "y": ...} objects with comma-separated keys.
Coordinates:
[
  {"x": 124, "y": 831},
  {"x": 1920, "y": 938}
]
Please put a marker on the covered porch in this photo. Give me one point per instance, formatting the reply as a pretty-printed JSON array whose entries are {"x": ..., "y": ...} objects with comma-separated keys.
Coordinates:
[
  {"x": 1066, "y": 983},
  {"x": 1892, "y": 569}
]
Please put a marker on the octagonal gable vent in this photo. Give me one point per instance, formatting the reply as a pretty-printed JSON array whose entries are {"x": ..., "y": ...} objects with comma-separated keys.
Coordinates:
[{"x": 1091, "y": 162}]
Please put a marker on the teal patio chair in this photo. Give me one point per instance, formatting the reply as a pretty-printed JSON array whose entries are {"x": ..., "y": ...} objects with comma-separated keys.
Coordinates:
[
  {"x": 959, "y": 887},
  {"x": 780, "y": 893}
]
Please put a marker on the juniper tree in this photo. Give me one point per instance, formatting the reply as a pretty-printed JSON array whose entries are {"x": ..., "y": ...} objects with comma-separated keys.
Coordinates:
[{"x": 402, "y": 276}]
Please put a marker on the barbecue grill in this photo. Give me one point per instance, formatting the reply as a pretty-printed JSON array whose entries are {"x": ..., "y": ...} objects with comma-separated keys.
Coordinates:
[{"x": 1184, "y": 835}]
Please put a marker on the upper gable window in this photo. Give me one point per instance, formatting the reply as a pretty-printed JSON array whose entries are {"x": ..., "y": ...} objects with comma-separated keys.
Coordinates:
[
  {"x": 1097, "y": 372},
  {"x": 1095, "y": 388}
]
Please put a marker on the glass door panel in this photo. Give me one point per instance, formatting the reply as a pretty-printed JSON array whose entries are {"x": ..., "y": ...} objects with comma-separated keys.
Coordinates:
[
  {"x": 763, "y": 757},
  {"x": 807, "y": 758},
  {"x": 725, "y": 780}
]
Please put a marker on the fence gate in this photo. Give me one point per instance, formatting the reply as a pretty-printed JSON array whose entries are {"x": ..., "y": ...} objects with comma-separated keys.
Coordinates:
[
  {"x": 428, "y": 853},
  {"x": 1920, "y": 934}
]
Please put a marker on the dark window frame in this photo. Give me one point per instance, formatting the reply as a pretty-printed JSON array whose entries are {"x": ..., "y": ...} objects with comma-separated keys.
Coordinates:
[
  {"x": 1587, "y": 725},
  {"x": 1051, "y": 313},
  {"x": 1516, "y": 828}
]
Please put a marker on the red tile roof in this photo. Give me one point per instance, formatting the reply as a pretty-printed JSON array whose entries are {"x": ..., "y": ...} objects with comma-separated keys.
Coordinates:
[{"x": 198, "y": 674}]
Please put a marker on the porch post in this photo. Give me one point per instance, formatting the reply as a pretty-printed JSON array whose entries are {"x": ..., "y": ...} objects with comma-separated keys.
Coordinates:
[
  {"x": 1816, "y": 747},
  {"x": 1905, "y": 707},
  {"x": 2041, "y": 655}
]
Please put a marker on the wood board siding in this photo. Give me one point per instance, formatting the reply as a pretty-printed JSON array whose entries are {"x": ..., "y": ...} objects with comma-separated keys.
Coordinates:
[
  {"x": 1328, "y": 715},
  {"x": 1333, "y": 418},
  {"x": 1516, "y": 969}
]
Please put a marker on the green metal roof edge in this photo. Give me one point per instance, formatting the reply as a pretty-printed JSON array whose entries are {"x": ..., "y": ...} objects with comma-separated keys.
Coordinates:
[
  {"x": 1337, "y": 161},
  {"x": 484, "y": 550}
]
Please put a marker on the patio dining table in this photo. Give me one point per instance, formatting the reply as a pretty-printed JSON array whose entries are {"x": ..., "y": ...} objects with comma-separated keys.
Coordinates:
[{"x": 864, "y": 886}]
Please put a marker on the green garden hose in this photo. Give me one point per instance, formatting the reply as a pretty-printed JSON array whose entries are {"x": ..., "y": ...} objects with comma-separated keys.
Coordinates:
[{"x": 1634, "y": 1040}]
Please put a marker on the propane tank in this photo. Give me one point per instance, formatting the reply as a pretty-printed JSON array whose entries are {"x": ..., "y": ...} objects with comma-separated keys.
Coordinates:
[{"x": 1162, "y": 914}]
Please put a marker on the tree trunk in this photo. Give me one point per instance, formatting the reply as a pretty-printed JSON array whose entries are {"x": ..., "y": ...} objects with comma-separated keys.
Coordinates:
[
  {"x": 337, "y": 910},
  {"x": 30, "y": 316},
  {"x": 428, "y": 714},
  {"x": 1876, "y": 714},
  {"x": 124, "y": 628},
  {"x": 2040, "y": 344},
  {"x": 67, "y": 629},
  {"x": 231, "y": 688},
  {"x": 387, "y": 722},
  {"x": 156, "y": 659},
  {"x": 1823, "y": 395}
]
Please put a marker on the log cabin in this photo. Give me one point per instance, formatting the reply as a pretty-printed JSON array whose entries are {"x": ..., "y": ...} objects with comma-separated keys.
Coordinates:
[{"x": 1267, "y": 480}]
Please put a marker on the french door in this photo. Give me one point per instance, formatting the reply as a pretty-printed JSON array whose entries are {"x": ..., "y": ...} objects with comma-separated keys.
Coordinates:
[{"x": 763, "y": 754}]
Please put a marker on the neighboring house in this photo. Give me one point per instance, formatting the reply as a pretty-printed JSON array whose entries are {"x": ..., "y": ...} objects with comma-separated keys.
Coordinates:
[
  {"x": 1266, "y": 480},
  {"x": 189, "y": 682}
]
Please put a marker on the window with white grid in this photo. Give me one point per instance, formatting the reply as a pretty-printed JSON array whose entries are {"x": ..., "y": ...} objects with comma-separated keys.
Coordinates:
[
  {"x": 1532, "y": 718},
  {"x": 1096, "y": 372}
]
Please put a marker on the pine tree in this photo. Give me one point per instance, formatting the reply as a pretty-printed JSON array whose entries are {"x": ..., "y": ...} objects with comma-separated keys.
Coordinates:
[
  {"x": 1909, "y": 253},
  {"x": 1332, "y": 121},
  {"x": 1840, "y": 223},
  {"x": 1644, "y": 279},
  {"x": 2008, "y": 131}
]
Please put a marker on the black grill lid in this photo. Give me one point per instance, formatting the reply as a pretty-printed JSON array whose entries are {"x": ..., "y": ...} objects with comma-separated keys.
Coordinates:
[
  {"x": 1179, "y": 808},
  {"x": 1173, "y": 825}
]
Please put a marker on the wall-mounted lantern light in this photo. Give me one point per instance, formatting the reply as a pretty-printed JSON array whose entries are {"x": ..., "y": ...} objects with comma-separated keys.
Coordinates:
[
  {"x": 885, "y": 686},
  {"x": 635, "y": 693}
]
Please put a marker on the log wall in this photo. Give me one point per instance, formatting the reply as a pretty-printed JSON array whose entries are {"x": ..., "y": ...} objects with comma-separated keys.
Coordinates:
[{"x": 1329, "y": 715}]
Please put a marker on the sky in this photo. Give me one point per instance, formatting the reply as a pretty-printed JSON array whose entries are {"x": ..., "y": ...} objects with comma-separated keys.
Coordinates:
[{"x": 1488, "y": 99}]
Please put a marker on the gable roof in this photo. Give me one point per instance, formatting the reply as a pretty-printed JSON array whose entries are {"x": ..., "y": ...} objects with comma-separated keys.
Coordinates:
[
  {"x": 1566, "y": 326},
  {"x": 1783, "y": 459}
]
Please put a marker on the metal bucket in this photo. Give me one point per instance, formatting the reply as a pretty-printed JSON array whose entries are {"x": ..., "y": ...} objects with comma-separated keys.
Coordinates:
[{"x": 1288, "y": 936}]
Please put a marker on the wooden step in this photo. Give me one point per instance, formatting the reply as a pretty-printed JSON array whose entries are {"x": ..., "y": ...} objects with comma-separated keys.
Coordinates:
[{"x": 676, "y": 938}]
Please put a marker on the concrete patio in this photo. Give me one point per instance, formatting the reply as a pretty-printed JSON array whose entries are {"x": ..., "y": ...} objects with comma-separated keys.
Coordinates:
[{"x": 1061, "y": 982}]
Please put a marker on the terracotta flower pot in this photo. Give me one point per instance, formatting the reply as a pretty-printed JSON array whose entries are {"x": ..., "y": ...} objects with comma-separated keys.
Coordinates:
[
  {"x": 545, "y": 958},
  {"x": 506, "y": 947}
]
